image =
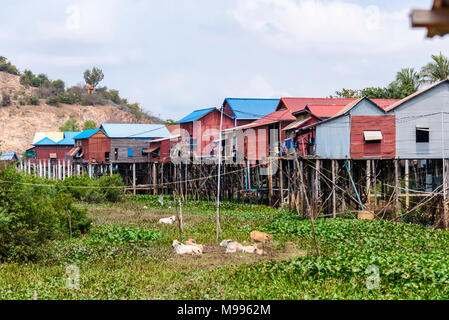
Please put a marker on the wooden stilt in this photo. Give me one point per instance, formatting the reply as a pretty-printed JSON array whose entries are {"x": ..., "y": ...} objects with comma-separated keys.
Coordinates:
[{"x": 334, "y": 191}]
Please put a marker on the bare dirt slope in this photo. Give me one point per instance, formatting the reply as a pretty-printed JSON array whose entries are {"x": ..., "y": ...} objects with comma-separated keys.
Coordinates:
[{"x": 19, "y": 123}]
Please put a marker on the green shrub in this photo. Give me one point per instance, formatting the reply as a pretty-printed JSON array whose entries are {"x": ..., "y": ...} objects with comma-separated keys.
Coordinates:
[
  {"x": 113, "y": 187},
  {"x": 32, "y": 215},
  {"x": 29, "y": 79},
  {"x": 6, "y": 100},
  {"x": 84, "y": 188},
  {"x": 53, "y": 101},
  {"x": 6, "y": 66},
  {"x": 34, "y": 101},
  {"x": 122, "y": 234}
]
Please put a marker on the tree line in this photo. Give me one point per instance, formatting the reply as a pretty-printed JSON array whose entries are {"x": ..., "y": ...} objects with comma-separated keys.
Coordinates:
[{"x": 407, "y": 82}]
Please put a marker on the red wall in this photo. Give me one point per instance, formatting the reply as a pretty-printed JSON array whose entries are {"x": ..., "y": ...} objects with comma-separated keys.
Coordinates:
[
  {"x": 164, "y": 153},
  {"x": 43, "y": 152},
  {"x": 208, "y": 122},
  {"x": 95, "y": 147},
  {"x": 385, "y": 149}
]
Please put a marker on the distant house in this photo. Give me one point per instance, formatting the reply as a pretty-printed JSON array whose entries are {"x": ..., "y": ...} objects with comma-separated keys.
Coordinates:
[
  {"x": 203, "y": 128},
  {"x": 129, "y": 142},
  {"x": 261, "y": 137},
  {"x": 51, "y": 150},
  {"x": 247, "y": 110},
  {"x": 7, "y": 158},
  {"x": 309, "y": 111},
  {"x": 361, "y": 130},
  {"x": 422, "y": 123},
  {"x": 91, "y": 146}
]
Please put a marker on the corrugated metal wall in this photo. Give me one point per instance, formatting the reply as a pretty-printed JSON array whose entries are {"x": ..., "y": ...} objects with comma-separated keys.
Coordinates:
[
  {"x": 428, "y": 110},
  {"x": 333, "y": 138}
]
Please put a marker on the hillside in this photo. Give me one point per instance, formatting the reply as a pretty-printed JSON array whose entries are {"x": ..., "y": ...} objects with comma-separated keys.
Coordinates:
[{"x": 20, "y": 122}]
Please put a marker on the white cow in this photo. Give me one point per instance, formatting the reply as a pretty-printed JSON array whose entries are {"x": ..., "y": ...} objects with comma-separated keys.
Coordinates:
[
  {"x": 231, "y": 247},
  {"x": 170, "y": 220},
  {"x": 184, "y": 249}
]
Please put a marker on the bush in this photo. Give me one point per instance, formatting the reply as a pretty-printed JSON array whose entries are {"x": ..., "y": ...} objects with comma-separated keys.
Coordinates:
[
  {"x": 89, "y": 125},
  {"x": 113, "y": 187},
  {"x": 6, "y": 66},
  {"x": 31, "y": 215},
  {"x": 6, "y": 100},
  {"x": 29, "y": 79},
  {"x": 34, "y": 101},
  {"x": 53, "y": 101},
  {"x": 92, "y": 99},
  {"x": 107, "y": 188},
  {"x": 70, "y": 125}
]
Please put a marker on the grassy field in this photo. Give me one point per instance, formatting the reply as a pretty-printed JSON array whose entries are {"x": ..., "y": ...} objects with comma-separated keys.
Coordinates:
[{"x": 127, "y": 255}]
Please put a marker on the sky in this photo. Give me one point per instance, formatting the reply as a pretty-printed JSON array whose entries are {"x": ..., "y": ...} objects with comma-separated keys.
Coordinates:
[{"x": 174, "y": 56}]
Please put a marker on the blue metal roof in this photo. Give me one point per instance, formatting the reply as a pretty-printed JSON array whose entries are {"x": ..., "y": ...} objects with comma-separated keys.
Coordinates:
[
  {"x": 248, "y": 108},
  {"x": 85, "y": 134},
  {"x": 45, "y": 142},
  {"x": 7, "y": 156},
  {"x": 195, "y": 115},
  {"x": 135, "y": 130},
  {"x": 68, "y": 138}
]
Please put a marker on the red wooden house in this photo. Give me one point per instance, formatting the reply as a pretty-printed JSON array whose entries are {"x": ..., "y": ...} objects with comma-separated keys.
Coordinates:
[
  {"x": 53, "y": 151},
  {"x": 92, "y": 146},
  {"x": 203, "y": 129}
]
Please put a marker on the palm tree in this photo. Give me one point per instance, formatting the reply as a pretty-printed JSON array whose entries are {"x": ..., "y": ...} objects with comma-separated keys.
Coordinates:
[
  {"x": 437, "y": 70},
  {"x": 409, "y": 78}
]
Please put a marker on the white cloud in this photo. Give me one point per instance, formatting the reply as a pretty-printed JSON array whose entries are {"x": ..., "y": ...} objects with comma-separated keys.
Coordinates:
[
  {"x": 89, "y": 21},
  {"x": 256, "y": 86},
  {"x": 318, "y": 26}
]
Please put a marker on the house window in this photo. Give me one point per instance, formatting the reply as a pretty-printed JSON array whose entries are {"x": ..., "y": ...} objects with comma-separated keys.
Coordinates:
[
  {"x": 144, "y": 152},
  {"x": 106, "y": 156},
  {"x": 422, "y": 135},
  {"x": 130, "y": 152},
  {"x": 372, "y": 136},
  {"x": 193, "y": 144},
  {"x": 116, "y": 154}
]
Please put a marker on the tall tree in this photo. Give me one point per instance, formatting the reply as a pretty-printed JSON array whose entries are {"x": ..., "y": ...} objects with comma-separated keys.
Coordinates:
[
  {"x": 437, "y": 70},
  {"x": 409, "y": 78},
  {"x": 89, "y": 125},
  {"x": 70, "y": 125},
  {"x": 93, "y": 77}
]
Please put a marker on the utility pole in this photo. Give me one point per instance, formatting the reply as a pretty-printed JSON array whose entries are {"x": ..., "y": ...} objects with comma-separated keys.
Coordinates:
[{"x": 219, "y": 177}]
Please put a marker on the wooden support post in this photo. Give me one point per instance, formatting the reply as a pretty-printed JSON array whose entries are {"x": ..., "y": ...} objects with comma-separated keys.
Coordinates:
[
  {"x": 396, "y": 187},
  {"x": 49, "y": 169},
  {"x": 90, "y": 169},
  {"x": 281, "y": 183},
  {"x": 316, "y": 196},
  {"x": 334, "y": 190},
  {"x": 110, "y": 168},
  {"x": 446, "y": 194},
  {"x": 373, "y": 167},
  {"x": 134, "y": 178},
  {"x": 270, "y": 182},
  {"x": 154, "y": 179},
  {"x": 407, "y": 184},
  {"x": 368, "y": 182}
]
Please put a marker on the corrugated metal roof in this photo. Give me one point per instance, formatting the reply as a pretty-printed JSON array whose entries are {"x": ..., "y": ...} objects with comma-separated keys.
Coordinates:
[
  {"x": 45, "y": 142},
  {"x": 195, "y": 115},
  {"x": 85, "y": 134},
  {"x": 68, "y": 138},
  {"x": 55, "y": 136},
  {"x": 251, "y": 108},
  {"x": 274, "y": 117},
  {"x": 327, "y": 107},
  {"x": 296, "y": 124},
  {"x": 7, "y": 156},
  {"x": 135, "y": 130}
]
